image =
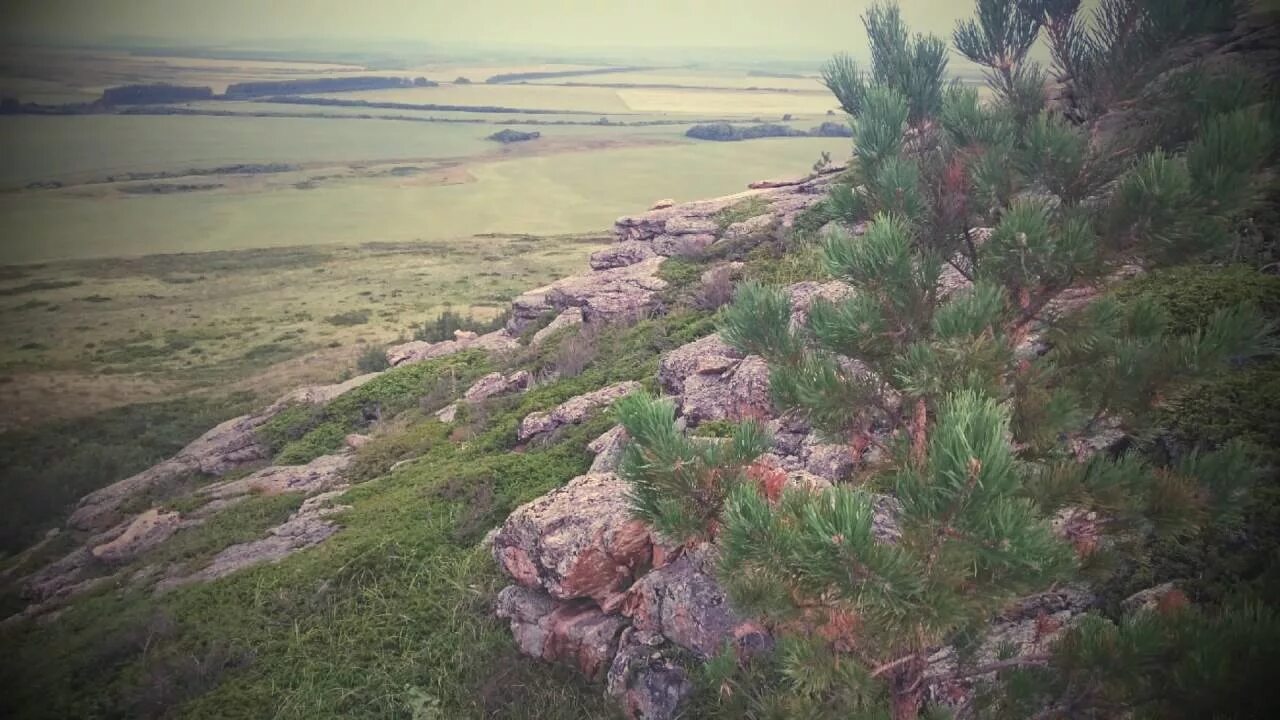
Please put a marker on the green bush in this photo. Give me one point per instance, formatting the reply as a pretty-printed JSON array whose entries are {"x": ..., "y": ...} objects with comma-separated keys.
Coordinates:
[
  {"x": 350, "y": 317},
  {"x": 373, "y": 359},
  {"x": 1191, "y": 293},
  {"x": 450, "y": 321}
]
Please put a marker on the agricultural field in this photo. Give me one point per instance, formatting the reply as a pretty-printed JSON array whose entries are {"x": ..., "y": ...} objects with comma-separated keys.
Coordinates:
[{"x": 138, "y": 263}]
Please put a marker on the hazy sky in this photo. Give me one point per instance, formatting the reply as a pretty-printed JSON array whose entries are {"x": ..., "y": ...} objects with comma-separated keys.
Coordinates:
[{"x": 818, "y": 25}]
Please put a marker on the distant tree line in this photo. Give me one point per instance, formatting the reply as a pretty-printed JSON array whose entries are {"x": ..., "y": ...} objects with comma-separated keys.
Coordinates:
[
  {"x": 727, "y": 132},
  {"x": 319, "y": 85},
  {"x": 154, "y": 94},
  {"x": 524, "y": 76}
]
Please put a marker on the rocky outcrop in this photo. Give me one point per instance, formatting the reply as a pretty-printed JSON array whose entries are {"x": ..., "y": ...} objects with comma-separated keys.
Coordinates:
[
  {"x": 683, "y": 362},
  {"x": 579, "y": 541},
  {"x": 620, "y": 294},
  {"x": 420, "y": 350},
  {"x": 307, "y": 526},
  {"x": 608, "y": 449},
  {"x": 805, "y": 294},
  {"x": 318, "y": 394},
  {"x": 316, "y": 476},
  {"x": 779, "y": 202},
  {"x": 490, "y": 385},
  {"x": 571, "y": 317},
  {"x": 644, "y": 678},
  {"x": 621, "y": 254},
  {"x": 683, "y": 602},
  {"x": 573, "y": 411},
  {"x": 1028, "y": 627},
  {"x": 227, "y": 446},
  {"x": 719, "y": 391},
  {"x": 576, "y": 634},
  {"x": 143, "y": 533}
]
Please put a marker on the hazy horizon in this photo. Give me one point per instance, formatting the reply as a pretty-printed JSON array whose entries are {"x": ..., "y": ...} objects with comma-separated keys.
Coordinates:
[{"x": 807, "y": 27}]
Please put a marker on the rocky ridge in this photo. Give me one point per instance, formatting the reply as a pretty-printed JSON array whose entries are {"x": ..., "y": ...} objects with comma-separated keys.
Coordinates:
[
  {"x": 591, "y": 587},
  {"x": 122, "y": 522}
]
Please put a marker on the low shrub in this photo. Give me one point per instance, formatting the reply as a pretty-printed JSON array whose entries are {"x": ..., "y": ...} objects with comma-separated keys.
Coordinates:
[
  {"x": 450, "y": 321},
  {"x": 372, "y": 359},
  {"x": 350, "y": 317}
]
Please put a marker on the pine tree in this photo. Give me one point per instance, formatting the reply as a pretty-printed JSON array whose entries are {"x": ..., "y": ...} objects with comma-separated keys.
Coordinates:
[{"x": 972, "y": 388}]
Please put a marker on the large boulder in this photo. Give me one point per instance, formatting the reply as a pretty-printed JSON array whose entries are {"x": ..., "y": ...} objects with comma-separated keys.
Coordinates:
[
  {"x": 684, "y": 602},
  {"x": 720, "y": 390},
  {"x": 573, "y": 633},
  {"x": 684, "y": 361},
  {"x": 573, "y": 411},
  {"x": 621, "y": 254},
  {"x": 579, "y": 541},
  {"x": 620, "y": 294}
]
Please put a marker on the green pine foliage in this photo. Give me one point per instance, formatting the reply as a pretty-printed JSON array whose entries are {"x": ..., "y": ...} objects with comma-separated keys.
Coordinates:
[
  {"x": 911, "y": 65},
  {"x": 980, "y": 393},
  {"x": 679, "y": 483}
]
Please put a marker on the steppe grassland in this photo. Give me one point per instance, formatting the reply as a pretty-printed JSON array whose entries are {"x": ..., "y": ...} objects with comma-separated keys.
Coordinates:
[{"x": 113, "y": 332}]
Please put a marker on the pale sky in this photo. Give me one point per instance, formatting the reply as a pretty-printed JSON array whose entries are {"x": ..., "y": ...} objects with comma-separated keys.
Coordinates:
[{"x": 818, "y": 25}]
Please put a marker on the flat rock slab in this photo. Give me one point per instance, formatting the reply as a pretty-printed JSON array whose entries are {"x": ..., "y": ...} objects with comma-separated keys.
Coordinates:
[{"x": 573, "y": 411}]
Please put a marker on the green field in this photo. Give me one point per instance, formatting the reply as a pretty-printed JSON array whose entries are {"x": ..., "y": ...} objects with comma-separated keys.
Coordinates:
[{"x": 557, "y": 193}]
